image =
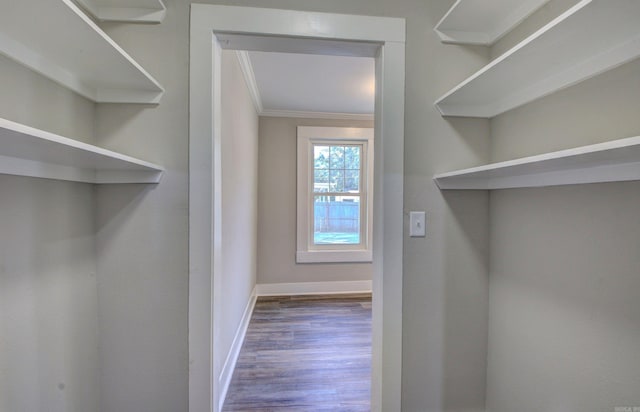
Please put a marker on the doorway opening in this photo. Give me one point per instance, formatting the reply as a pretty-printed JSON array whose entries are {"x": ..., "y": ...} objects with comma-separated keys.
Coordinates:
[
  {"x": 297, "y": 176},
  {"x": 214, "y": 28}
]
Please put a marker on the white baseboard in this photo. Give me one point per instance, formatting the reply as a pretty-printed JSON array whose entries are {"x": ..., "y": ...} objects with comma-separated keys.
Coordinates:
[
  {"x": 234, "y": 351},
  {"x": 313, "y": 288}
]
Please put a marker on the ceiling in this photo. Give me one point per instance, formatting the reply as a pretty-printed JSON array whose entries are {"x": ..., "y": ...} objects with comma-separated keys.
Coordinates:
[{"x": 312, "y": 85}]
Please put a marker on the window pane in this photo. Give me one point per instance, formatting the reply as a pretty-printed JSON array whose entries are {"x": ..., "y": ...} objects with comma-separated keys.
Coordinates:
[
  {"x": 320, "y": 157},
  {"x": 336, "y": 220},
  {"x": 351, "y": 180},
  {"x": 336, "y": 180},
  {"x": 337, "y": 157},
  {"x": 352, "y": 157},
  {"x": 320, "y": 180}
]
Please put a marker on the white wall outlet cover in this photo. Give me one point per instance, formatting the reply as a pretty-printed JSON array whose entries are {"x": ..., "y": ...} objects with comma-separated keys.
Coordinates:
[{"x": 417, "y": 224}]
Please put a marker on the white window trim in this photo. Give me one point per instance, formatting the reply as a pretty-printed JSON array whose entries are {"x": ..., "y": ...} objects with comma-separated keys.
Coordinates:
[{"x": 305, "y": 253}]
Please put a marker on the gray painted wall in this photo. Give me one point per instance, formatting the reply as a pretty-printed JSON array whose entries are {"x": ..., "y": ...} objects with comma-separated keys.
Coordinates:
[
  {"x": 141, "y": 231},
  {"x": 564, "y": 329},
  {"x": 239, "y": 198},
  {"x": 564, "y": 322},
  {"x": 445, "y": 296},
  {"x": 48, "y": 297},
  {"x": 277, "y": 208}
]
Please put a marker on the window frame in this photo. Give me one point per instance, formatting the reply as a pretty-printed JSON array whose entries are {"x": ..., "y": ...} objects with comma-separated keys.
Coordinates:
[{"x": 306, "y": 250}]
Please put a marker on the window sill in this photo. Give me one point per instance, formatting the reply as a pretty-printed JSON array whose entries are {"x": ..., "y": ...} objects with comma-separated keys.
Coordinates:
[{"x": 334, "y": 256}]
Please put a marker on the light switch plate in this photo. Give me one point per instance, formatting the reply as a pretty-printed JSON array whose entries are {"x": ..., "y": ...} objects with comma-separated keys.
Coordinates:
[{"x": 417, "y": 222}]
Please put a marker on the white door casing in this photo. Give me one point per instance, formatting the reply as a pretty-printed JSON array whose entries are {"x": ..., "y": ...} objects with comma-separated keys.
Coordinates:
[{"x": 214, "y": 27}]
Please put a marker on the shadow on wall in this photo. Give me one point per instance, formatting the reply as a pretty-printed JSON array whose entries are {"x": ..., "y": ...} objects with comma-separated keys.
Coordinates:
[
  {"x": 123, "y": 116},
  {"x": 118, "y": 203},
  {"x": 47, "y": 295},
  {"x": 564, "y": 293},
  {"x": 476, "y": 147},
  {"x": 466, "y": 306}
]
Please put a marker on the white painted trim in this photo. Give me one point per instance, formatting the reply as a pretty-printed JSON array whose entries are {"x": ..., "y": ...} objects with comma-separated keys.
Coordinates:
[
  {"x": 306, "y": 250},
  {"x": 135, "y": 12},
  {"x": 27, "y": 151},
  {"x": 388, "y": 34},
  {"x": 455, "y": 27},
  {"x": 550, "y": 59},
  {"x": 250, "y": 79},
  {"x": 313, "y": 288},
  {"x": 132, "y": 15},
  {"x": 334, "y": 256},
  {"x": 96, "y": 67},
  {"x": 310, "y": 25},
  {"x": 614, "y": 161},
  {"x": 204, "y": 171},
  {"x": 316, "y": 115},
  {"x": 234, "y": 352}
]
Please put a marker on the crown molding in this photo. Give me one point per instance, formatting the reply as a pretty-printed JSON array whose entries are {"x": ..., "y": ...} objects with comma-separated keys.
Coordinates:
[{"x": 250, "y": 79}]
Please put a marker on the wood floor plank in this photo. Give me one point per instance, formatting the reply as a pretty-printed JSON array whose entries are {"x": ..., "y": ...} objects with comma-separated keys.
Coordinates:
[{"x": 305, "y": 353}]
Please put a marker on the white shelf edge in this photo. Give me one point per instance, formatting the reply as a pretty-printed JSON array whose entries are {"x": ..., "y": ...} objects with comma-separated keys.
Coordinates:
[
  {"x": 150, "y": 93},
  {"x": 129, "y": 14},
  {"x": 471, "y": 38},
  {"x": 490, "y": 36},
  {"x": 599, "y": 63},
  {"x": 36, "y": 153},
  {"x": 613, "y": 161},
  {"x": 124, "y": 95}
]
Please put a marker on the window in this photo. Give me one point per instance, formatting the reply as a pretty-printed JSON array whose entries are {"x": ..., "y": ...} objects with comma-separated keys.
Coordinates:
[{"x": 335, "y": 194}]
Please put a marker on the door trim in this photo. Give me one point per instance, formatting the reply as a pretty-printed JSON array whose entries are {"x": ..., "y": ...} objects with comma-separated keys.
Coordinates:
[{"x": 213, "y": 28}]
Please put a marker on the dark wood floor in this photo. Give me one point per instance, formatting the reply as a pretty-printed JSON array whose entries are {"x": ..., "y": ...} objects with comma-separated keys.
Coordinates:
[{"x": 306, "y": 353}]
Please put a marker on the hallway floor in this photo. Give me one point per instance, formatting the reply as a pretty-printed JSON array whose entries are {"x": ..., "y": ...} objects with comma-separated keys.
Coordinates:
[{"x": 305, "y": 353}]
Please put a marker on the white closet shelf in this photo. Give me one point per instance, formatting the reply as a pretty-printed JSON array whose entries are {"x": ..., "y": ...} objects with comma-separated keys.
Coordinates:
[
  {"x": 26, "y": 151},
  {"x": 56, "y": 39},
  {"x": 132, "y": 11},
  {"x": 483, "y": 22},
  {"x": 614, "y": 161},
  {"x": 588, "y": 39}
]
